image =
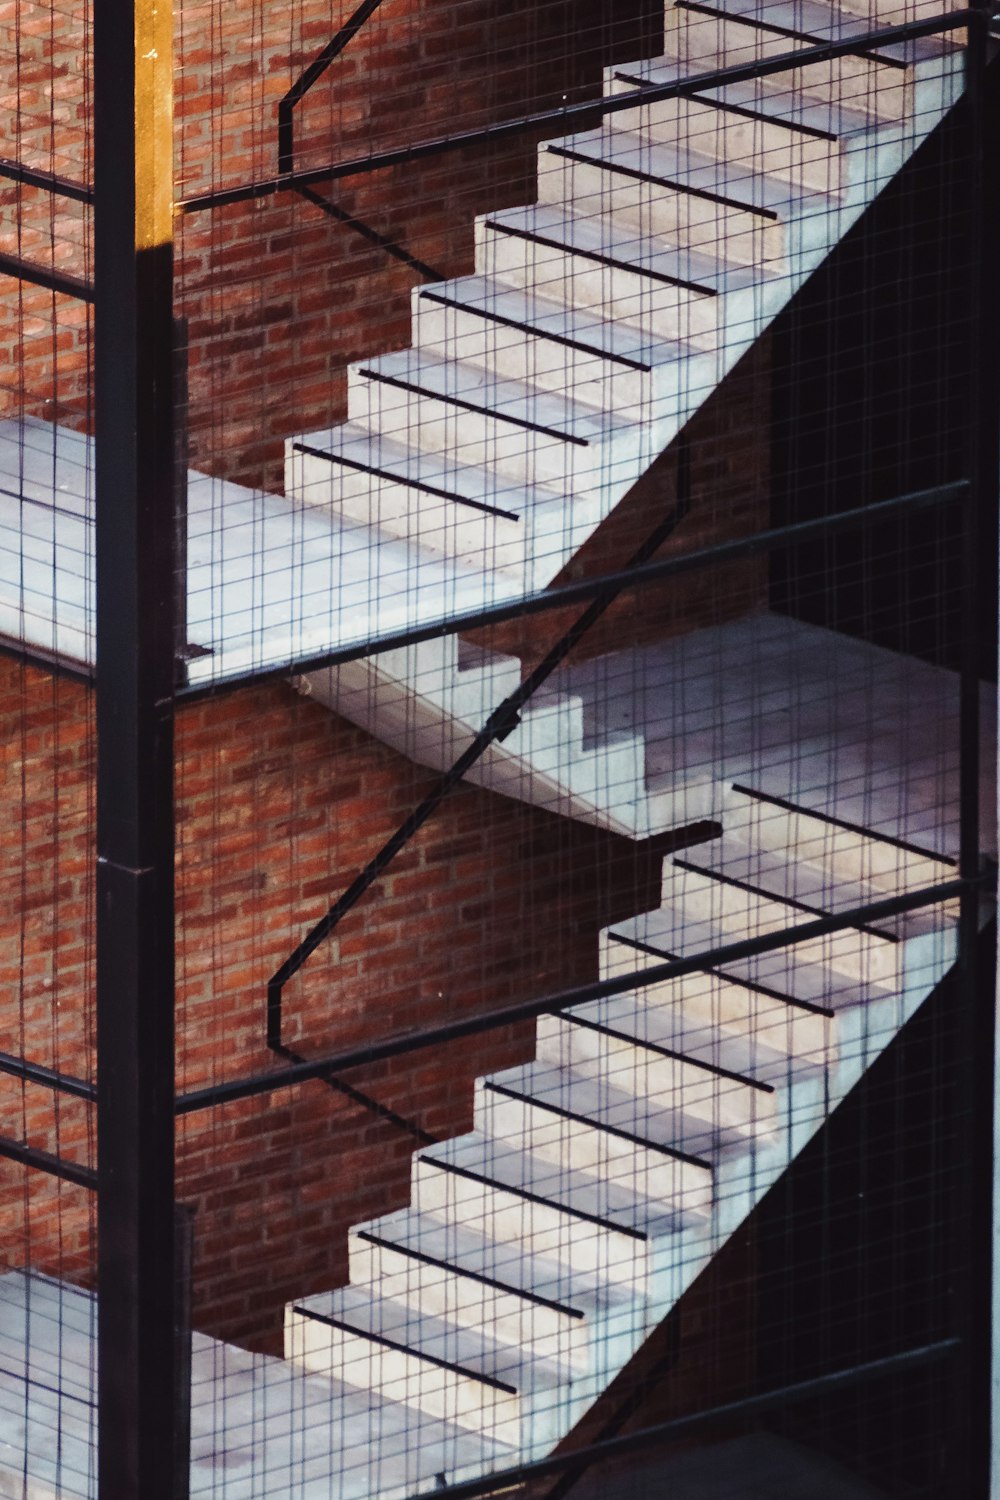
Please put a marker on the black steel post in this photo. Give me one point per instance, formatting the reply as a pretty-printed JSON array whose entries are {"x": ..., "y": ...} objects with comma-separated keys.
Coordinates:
[
  {"x": 972, "y": 1270},
  {"x": 137, "y": 1287}
]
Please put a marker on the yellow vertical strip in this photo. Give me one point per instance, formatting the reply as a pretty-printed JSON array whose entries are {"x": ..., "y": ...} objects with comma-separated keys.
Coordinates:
[{"x": 154, "y": 136}]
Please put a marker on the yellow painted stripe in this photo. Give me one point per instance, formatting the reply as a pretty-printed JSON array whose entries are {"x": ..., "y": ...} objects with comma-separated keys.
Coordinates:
[{"x": 154, "y": 134}]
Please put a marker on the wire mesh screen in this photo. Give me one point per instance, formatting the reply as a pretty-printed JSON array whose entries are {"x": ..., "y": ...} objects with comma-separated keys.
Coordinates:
[{"x": 583, "y": 758}]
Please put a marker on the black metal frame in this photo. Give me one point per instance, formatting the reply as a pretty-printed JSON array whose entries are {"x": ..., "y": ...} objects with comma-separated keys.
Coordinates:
[
  {"x": 144, "y": 1378},
  {"x": 568, "y": 115}
]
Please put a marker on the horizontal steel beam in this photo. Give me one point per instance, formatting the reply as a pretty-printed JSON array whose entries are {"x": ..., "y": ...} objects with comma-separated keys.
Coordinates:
[
  {"x": 44, "y": 1161},
  {"x": 587, "y": 588},
  {"x": 727, "y": 953},
  {"x": 47, "y": 276},
  {"x": 569, "y": 115},
  {"x": 62, "y": 1083},
  {"x": 50, "y": 182}
]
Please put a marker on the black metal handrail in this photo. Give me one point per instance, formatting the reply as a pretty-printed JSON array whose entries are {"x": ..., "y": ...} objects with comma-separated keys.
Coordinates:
[
  {"x": 252, "y": 1085},
  {"x": 286, "y": 145},
  {"x": 567, "y": 115},
  {"x": 544, "y": 600}
]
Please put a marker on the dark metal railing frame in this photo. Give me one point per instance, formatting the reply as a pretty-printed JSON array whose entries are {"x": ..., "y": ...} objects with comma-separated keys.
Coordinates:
[
  {"x": 125, "y": 946},
  {"x": 585, "y": 111},
  {"x": 286, "y": 143}
]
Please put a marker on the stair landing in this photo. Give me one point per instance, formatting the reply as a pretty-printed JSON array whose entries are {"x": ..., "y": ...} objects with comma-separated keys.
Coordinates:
[{"x": 805, "y": 715}]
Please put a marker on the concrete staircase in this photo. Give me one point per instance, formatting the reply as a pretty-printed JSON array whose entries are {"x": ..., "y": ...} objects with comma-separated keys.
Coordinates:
[
  {"x": 597, "y": 322},
  {"x": 540, "y": 1251}
]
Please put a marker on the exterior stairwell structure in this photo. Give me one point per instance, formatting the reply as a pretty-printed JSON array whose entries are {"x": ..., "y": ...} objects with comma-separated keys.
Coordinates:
[
  {"x": 539, "y": 1252},
  {"x": 540, "y": 389}
]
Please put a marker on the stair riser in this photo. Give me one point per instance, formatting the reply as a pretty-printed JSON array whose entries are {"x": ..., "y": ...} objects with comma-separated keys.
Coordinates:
[
  {"x": 658, "y": 209},
  {"x": 703, "y": 43},
  {"x": 427, "y": 520},
  {"x": 672, "y": 1083},
  {"x": 779, "y": 150},
  {"x": 742, "y": 914},
  {"x": 562, "y": 1237},
  {"x": 802, "y": 1034},
  {"x": 577, "y": 1145},
  {"x": 842, "y": 851},
  {"x": 515, "y": 354},
  {"x": 524, "y": 455},
  {"x": 662, "y": 310},
  {"x": 396, "y": 1375},
  {"x": 441, "y": 1292}
]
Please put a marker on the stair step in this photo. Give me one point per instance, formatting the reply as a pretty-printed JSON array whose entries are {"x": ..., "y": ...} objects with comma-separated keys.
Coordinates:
[
  {"x": 430, "y": 1363},
  {"x": 787, "y": 974},
  {"x": 791, "y": 136},
  {"x": 693, "y": 1076},
  {"x": 519, "y": 430},
  {"x": 718, "y": 1022},
  {"x": 888, "y": 865},
  {"x": 444, "y": 1268},
  {"x": 463, "y": 510},
  {"x": 595, "y": 263},
  {"x": 602, "y": 1227},
  {"x": 801, "y": 1033},
  {"x": 515, "y": 333},
  {"x": 712, "y": 207},
  {"x": 737, "y": 911},
  {"x": 653, "y": 1145},
  {"x": 811, "y": 886},
  {"x": 708, "y": 34}
]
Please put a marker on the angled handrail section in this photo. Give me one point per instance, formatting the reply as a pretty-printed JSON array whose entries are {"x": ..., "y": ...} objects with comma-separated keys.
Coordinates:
[
  {"x": 565, "y": 116},
  {"x": 286, "y": 144}
]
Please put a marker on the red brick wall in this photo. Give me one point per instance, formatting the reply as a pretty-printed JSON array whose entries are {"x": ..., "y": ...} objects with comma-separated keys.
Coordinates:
[
  {"x": 278, "y": 804},
  {"x": 279, "y": 298}
]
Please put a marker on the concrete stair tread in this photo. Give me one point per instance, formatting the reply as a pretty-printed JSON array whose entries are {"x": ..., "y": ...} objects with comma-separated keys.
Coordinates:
[
  {"x": 610, "y": 1202},
  {"x": 694, "y": 170},
  {"x": 742, "y": 1054},
  {"x": 623, "y": 244},
  {"x": 669, "y": 933},
  {"x": 512, "y": 1267},
  {"x": 366, "y": 449},
  {"x": 773, "y": 99},
  {"x": 849, "y": 851},
  {"x": 549, "y": 318},
  {"x": 660, "y": 1125},
  {"x": 808, "y": 883},
  {"x": 812, "y": 19},
  {"x": 438, "y": 1341},
  {"x": 482, "y": 391}
]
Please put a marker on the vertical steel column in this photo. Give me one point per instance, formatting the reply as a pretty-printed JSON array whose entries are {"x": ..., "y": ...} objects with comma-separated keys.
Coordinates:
[
  {"x": 973, "y": 1269},
  {"x": 137, "y": 1413}
]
